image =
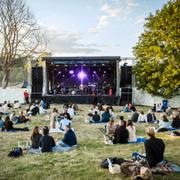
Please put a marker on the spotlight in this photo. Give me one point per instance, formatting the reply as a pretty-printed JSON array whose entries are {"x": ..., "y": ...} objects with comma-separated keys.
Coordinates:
[
  {"x": 71, "y": 72},
  {"x": 81, "y": 75},
  {"x": 104, "y": 71},
  {"x": 59, "y": 72},
  {"x": 103, "y": 64},
  {"x": 94, "y": 72},
  {"x": 65, "y": 65}
]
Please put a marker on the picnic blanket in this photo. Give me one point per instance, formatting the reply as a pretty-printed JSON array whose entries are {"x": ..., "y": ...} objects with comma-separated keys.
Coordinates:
[{"x": 166, "y": 166}]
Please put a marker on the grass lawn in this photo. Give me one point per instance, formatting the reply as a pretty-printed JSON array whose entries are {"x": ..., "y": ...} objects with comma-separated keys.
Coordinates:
[{"x": 81, "y": 163}]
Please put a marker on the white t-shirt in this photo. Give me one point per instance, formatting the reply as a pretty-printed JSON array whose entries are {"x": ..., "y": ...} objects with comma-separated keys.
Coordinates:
[
  {"x": 132, "y": 133},
  {"x": 64, "y": 122},
  {"x": 70, "y": 111}
]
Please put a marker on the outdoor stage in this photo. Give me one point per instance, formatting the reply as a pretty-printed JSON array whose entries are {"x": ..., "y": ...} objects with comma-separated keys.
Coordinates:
[
  {"x": 77, "y": 79},
  {"x": 82, "y": 99}
]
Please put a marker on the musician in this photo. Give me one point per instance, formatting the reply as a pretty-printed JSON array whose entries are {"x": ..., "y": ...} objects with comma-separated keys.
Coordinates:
[{"x": 81, "y": 88}]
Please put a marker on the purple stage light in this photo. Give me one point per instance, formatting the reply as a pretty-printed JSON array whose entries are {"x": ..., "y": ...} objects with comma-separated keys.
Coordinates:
[
  {"x": 71, "y": 72},
  {"x": 81, "y": 75},
  {"x": 94, "y": 72}
]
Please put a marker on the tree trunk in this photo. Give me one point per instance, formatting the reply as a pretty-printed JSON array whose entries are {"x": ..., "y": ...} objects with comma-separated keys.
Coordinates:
[{"x": 5, "y": 80}]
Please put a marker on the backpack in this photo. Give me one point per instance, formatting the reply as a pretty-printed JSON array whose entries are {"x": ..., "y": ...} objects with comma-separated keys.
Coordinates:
[{"x": 15, "y": 153}]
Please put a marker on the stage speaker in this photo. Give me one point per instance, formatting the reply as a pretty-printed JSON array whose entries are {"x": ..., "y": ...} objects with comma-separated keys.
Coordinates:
[
  {"x": 37, "y": 82},
  {"x": 126, "y": 96},
  {"x": 126, "y": 76}
]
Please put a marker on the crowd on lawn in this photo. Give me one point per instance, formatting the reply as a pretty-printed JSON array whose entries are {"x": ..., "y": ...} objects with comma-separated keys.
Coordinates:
[{"x": 115, "y": 133}]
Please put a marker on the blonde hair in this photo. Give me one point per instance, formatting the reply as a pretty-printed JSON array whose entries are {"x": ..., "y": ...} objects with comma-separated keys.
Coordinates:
[{"x": 151, "y": 131}]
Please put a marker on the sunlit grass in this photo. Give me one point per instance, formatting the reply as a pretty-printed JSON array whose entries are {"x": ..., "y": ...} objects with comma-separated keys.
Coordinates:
[{"x": 81, "y": 163}]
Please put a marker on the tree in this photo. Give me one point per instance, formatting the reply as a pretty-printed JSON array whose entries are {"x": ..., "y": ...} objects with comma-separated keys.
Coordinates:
[
  {"x": 20, "y": 36},
  {"x": 158, "y": 52}
]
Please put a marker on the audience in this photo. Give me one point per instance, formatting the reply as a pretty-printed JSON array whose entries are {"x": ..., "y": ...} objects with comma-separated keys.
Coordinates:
[
  {"x": 96, "y": 117},
  {"x": 8, "y": 126},
  {"x": 22, "y": 118},
  {"x": 135, "y": 116},
  {"x": 142, "y": 118},
  {"x": 169, "y": 111},
  {"x": 53, "y": 118},
  {"x": 71, "y": 111},
  {"x": 164, "y": 124},
  {"x": 121, "y": 134},
  {"x": 46, "y": 142},
  {"x": 69, "y": 139},
  {"x": 1, "y": 123},
  {"x": 106, "y": 115},
  {"x": 110, "y": 128},
  {"x": 16, "y": 105},
  {"x": 154, "y": 148},
  {"x": 65, "y": 121},
  {"x": 151, "y": 118},
  {"x": 176, "y": 121},
  {"x": 132, "y": 131},
  {"x": 35, "y": 138}
]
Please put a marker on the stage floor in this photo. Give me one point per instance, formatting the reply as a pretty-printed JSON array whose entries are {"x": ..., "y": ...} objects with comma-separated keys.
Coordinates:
[{"x": 82, "y": 99}]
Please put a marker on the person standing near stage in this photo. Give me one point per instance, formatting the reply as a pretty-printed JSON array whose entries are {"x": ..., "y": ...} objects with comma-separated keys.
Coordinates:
[{"x": 26, "y": 96}]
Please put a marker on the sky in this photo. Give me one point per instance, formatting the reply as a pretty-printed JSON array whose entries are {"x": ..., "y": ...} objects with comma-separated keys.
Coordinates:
[{"x": 92, "y": 27}]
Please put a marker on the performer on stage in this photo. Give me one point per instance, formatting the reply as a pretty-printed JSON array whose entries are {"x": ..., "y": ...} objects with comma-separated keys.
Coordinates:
[{"x": 81, "y": 88}]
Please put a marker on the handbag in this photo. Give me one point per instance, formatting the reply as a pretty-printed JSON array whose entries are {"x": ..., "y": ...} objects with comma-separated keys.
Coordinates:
[{"x": 113, "y": 168}]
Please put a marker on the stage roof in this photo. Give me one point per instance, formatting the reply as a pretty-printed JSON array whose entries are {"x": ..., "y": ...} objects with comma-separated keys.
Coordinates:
[{"x": 82, "y": 59}]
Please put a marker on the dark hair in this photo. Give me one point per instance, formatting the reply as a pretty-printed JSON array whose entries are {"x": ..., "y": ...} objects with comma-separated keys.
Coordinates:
[
  {"x": 142, "y": 112},
  {"x": 164, "y": 117},
  {"x": 130, "y": 123},
  {"x": 45, "y": 130},
  {"x": 121, "y": 117},
  {"x": 124, "y": 123}
]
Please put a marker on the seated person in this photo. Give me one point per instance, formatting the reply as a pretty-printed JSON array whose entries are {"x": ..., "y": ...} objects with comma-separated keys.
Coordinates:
[
  {"x": 159, "y": 108},
  {"x": 42, "y": 110},
  {"x": 13, "y": 117},
  {"x": 154, "y": 108},
  {"x": 132, "y": 131},
  {"x": 65, "y": 121},
  {"x": 106, "y": 115},
  {"x": 16, "y": 105},
  {"x": 110, "y": 128},
  {"x": 35, "y": 138},
  {"x": 131, "y": 107},
  {"x": 43, "y": 104},
  {"x": 46, "y": 142},
  {"x": 176, "y": 121},
  {"x": 154, "y": 148},
  {"x": 53, "y": 118},
  {"x": 111, "y": 111},
  {"x": 151, "y": 118},
  {"x": 70, "y": 110},
  {"x": 135, "y": 116},
  {"x": 126, "y": 108},
  {"x": 96, "y": 117},
  {"x": 169, "y": 111},
  {"x": 69, "y": 139},
  {"x": 1, "y": 123},
  {"x": 8, "y": 126},
  {"x": 22, "y": 118},
  {"x": 142, "y": 118},
  {"x": 121, "y": 134},
  {"x": 33, "y": 110},
  {"x": 1, "y": 110},
  {"x": 164, "y": 124}
]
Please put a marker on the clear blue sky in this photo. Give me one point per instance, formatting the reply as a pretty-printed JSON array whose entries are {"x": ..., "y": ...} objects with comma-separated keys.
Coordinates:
[{"x": 92, "y": 27}]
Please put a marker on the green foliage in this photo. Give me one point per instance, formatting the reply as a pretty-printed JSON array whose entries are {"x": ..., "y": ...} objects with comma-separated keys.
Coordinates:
[{"x": 158, "y": 52}]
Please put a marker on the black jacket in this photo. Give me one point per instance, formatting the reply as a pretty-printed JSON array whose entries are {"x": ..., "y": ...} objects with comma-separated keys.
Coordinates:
[
  {"x": 154, "y": 148},
  {"x": 46, "y": 143},
  {"x": 121, "y": 135},
  {"x": 70, "y": 138}
]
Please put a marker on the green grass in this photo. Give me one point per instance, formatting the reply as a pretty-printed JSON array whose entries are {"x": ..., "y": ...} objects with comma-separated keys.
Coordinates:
[{"x": 81, "y": 163}]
